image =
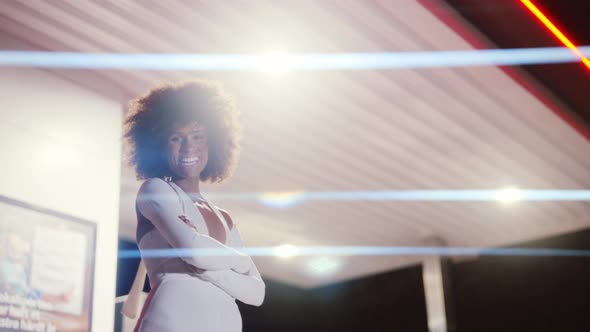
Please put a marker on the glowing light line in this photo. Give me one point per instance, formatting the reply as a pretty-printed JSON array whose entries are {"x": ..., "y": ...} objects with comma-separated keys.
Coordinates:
[
  {"x": 556, "y": 32},
  {"x": 412, "y": 195},
  {"x": 306, "y": 61},
  {"x": 365, "y": 251}
]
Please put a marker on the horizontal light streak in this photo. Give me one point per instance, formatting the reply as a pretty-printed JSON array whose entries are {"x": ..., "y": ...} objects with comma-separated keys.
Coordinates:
[
  {"x": 413, "y": 195},
  {"x": 363, "y": 251},
  {"x": 305, "y": 61}
]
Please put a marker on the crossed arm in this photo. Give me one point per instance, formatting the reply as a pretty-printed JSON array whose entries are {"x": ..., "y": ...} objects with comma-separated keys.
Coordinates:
[
  {"x": 231, "y": 270},
  {"x": 246, "y": 287}
]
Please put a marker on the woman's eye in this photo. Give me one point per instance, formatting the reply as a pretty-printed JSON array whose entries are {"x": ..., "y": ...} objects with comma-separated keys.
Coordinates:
[{"x": 175, "y": 139}]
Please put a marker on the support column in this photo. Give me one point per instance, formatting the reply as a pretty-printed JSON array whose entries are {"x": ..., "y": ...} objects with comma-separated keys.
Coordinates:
[{"x": 436, "y": 278}]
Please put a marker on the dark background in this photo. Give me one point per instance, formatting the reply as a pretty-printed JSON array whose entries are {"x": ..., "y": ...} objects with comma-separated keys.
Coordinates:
[{"x": 489, "y": 293}]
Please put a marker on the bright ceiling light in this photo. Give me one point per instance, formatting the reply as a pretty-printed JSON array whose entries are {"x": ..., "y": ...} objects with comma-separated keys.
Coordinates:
[
  {"x": 285, "y": 251},
  {"x": 276, "y": 62},
  {"x": 509, "y": 195},
  {"x": 281, "y": 199},
  {"x": 323, "y": 266}
]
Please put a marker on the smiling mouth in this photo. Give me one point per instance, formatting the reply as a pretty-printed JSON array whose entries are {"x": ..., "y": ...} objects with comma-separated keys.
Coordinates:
[{"x": 189, "y": 161}]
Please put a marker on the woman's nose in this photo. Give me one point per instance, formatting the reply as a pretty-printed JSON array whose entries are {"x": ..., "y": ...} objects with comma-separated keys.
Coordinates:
[{"x": 188, "y": 145}]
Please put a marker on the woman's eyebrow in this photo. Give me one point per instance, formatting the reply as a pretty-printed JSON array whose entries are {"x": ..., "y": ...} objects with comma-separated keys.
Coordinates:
[{"x": 176, "y": 132}]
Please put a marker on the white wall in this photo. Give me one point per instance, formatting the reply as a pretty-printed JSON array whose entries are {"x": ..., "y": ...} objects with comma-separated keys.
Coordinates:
[{"x": 60, "y": 148}]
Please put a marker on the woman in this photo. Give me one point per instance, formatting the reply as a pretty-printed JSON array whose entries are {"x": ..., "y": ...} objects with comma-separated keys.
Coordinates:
[{"x": 181, "y": 135}]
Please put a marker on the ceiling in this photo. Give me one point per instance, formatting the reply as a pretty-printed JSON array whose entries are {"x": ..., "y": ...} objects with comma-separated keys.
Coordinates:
[{"x": 460, "y": 128}]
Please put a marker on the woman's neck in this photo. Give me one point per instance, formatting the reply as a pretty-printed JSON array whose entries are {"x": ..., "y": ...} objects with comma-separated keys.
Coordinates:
[{"x": 189, "y": 185}]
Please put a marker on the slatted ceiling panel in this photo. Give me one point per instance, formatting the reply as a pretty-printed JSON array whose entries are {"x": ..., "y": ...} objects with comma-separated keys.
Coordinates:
[
  {"x": 549, "y": 128},
  {"x": 149, "y": 22},
  {"x": 408, "y": 223},
  {"x": 114, "y": 24},
  {"x": 117, "y": 34},
  {"x": 198, "y": 21},
  {"x": 374, "y": 21},
  {"x": 512, "y": 227},
  {"x": 439, "y": 37},
  {"x": 21, "y": 24},
  {"x": 489, "y": 133},
  {"x": 227, "y": 36},
  {"x": 468, "y": 220},
  {"x": 500, "y": 124},
  {"x": 86, "y": 78},
  {"x": 427, "y": 95},
  {"x": 347, "y": 112},
  {"x": 303, "y": 22},
  {"x": 255, "y": 18},
  {"x": 14, "y": 37},
  {"x": 537, "y": 225},
  {"x": 50, "y": 34},
  {"x": 373, "y": 221},
  {"x": 306, "y": 33},
  {"x": 97, "y": 38},
  {"x": 302, "y": 170},
  {"x": 506, "y": 123},
  {"x": 481, "y": 77},
  {"x": 331, "y": 222},
  {"x": 238, "y": 23},
  {"x": 358, "y": 266},
  {"x": 307, "y": 142},
  {"x": 504, "y": 218},
  {"x": 342, "y": 30},
  {"x": 355, "y": 220},
  {"x": 555, "y": 130},
  {"x": 104, "y": 33},
  {"x": 273, "y": 122},
  {"x": 377, "y": 26},
  {"x": 429, "y": 150}
]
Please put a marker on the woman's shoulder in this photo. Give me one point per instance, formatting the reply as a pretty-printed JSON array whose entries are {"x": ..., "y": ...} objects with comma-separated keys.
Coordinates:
[
  {"x": 153, "y": 182},
  {"x": 153, "y": 188}
]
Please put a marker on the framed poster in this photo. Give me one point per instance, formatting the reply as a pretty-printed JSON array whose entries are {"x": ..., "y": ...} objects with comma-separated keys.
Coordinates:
[{"x": 46, "y": 269}]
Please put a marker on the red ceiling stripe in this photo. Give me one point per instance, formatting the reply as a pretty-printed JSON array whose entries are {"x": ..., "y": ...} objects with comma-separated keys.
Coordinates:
[{"x": 450, "y": 18}]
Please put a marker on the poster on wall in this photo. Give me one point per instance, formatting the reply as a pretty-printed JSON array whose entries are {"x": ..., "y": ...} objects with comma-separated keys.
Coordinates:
[{"x": 46, "y": 269}]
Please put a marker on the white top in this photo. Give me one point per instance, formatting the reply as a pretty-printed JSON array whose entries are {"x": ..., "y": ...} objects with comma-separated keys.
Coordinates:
[{"x": 160, "y": 205}]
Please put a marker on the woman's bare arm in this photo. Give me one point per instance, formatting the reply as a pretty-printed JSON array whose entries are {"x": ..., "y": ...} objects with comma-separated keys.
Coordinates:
[
  {"x": 248, "y": 288},
  {"x": 158, "y": 202}
]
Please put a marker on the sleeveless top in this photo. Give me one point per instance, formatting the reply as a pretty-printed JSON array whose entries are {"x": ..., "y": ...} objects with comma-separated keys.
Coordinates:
[{"x": 149, "y": 238}]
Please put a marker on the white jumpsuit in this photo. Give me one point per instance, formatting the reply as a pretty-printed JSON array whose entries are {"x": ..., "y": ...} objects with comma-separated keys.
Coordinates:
[{"x": 189, "y": 293}]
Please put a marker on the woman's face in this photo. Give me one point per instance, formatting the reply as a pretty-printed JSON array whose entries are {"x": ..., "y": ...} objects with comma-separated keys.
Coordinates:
[{"x": 186, "y": 149}]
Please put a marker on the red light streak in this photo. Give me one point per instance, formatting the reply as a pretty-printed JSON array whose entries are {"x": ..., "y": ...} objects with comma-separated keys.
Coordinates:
[{"x": 556, "y": 32}]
